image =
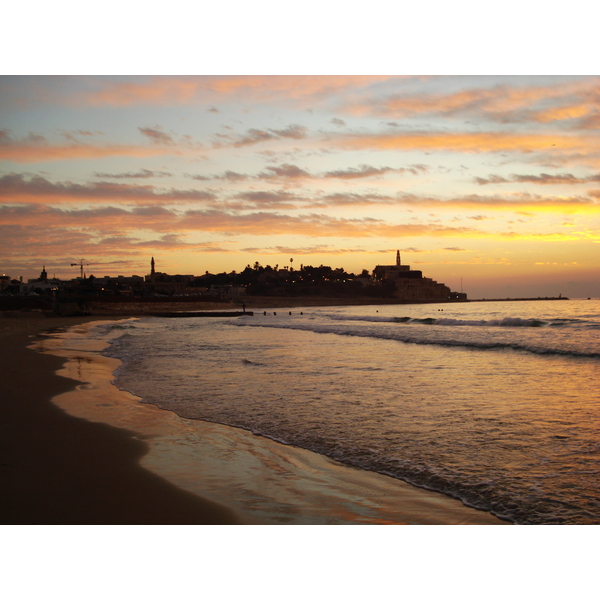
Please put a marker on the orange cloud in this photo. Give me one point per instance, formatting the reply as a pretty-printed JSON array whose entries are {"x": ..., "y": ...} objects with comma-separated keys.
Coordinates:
[
  {"x": 46, "y": 241},
  {"x": 515, "y": 202},
  {"x": 504, "y": 102},
  {"x": 320, "y": 249},
  {"x": 552, "y": 204},
  {"x": 555, "y": 237},
  {"x": 169, "y": 91},
  {"x": 27, "y": 153},
  {"x": 109, "y": 220},
  {"x": 112, "y": 231},
  {"x": 118, "y": 233},
  {"x": 562, "y": 113},
  {"x": 469, "y": 142},
  {"x": 36, "y": 189},
  {"x": 311, "y": 225}
]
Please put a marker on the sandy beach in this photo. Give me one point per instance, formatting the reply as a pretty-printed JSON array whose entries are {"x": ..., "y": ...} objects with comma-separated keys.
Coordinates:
[{"x": 57, "y": 468}]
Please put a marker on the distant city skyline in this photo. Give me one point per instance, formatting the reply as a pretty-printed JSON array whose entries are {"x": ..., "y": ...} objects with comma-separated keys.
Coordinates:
[{"x": 489, "y": 180}]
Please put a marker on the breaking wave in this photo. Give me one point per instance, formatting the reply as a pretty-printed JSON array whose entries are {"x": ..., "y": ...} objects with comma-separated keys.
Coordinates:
[
  {"x": 426, "y": 336},
  {"x": 505, "y": 322}
]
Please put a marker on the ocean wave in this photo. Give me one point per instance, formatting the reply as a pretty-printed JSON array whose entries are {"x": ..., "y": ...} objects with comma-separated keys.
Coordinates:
[
  {"x": 122, "y": 324},
  {"x": 448, "y": 322},
  {"x": 505, "y": 322},
  {"x": 483, "y": 345},
  {"x": 320, "y": 413},
  {"x": 253, "y": 363},
  {"x": 410, "y": 336}
]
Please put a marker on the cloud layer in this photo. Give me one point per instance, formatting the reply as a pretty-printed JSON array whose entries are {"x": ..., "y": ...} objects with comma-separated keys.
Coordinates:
[{"x": 117, "y": 168}]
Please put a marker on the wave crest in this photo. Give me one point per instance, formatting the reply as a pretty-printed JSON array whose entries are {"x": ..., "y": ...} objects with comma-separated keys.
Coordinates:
[{"x": 505, "y": 322}]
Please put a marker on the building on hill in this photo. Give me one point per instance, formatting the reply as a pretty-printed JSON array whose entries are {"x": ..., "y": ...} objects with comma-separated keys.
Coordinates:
[
  {"x": 43, "y": 278},
  {"x": 161, "y": 283},
  {"x": 43, "y": 284},
  {"x": 125, "y": 286},
  {"x": 411, "y": 286}
]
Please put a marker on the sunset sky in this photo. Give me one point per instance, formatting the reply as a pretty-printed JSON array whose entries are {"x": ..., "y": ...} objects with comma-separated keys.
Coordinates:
[{"x": 492, "y": 181}]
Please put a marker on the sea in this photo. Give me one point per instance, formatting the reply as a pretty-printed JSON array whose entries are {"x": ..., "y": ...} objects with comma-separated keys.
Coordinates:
[{"x": 495, "y": 404}]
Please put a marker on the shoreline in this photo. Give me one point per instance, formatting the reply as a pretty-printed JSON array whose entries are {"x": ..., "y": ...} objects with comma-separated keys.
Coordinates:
[
  {"x": 63, "y": 469},
  {"x": 57, "y": 469}
]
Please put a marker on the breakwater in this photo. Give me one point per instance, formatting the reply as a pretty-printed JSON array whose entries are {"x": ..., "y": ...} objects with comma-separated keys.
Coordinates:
[{"x": 518, "y": 299}]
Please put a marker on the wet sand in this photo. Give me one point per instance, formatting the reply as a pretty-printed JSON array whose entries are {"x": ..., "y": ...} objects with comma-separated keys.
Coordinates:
[
  {"x": 58, "y": 469},
  {"x": 96, "y": 455}
]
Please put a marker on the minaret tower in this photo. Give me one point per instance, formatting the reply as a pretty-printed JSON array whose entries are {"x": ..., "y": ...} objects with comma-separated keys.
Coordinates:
[
  {"x": 397, "y": 258},
  {"x": 152, "y": 271}
]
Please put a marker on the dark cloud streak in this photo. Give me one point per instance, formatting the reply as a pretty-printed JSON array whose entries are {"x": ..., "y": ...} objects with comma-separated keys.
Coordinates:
[
  {"x": 369, "y": 171},
  {"x": 15, "y": 185},
  {"x": 255, "y": 136},
  {"x": 285, "y": 171},
  {"x": 156, "y": 135},
  {"x": 543, "y": 179},
  {"x": 142, "y": 174}
]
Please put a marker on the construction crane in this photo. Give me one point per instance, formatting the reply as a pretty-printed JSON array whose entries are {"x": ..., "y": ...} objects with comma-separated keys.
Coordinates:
[{"x": 80, "y": 265}]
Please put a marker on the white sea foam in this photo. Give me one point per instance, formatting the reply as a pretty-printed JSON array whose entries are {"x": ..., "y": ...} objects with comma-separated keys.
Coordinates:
[{"x": 504, "y": 322}]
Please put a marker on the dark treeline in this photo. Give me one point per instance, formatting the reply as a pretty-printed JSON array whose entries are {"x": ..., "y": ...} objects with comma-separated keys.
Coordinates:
[{"x": 306, "y": 281}]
